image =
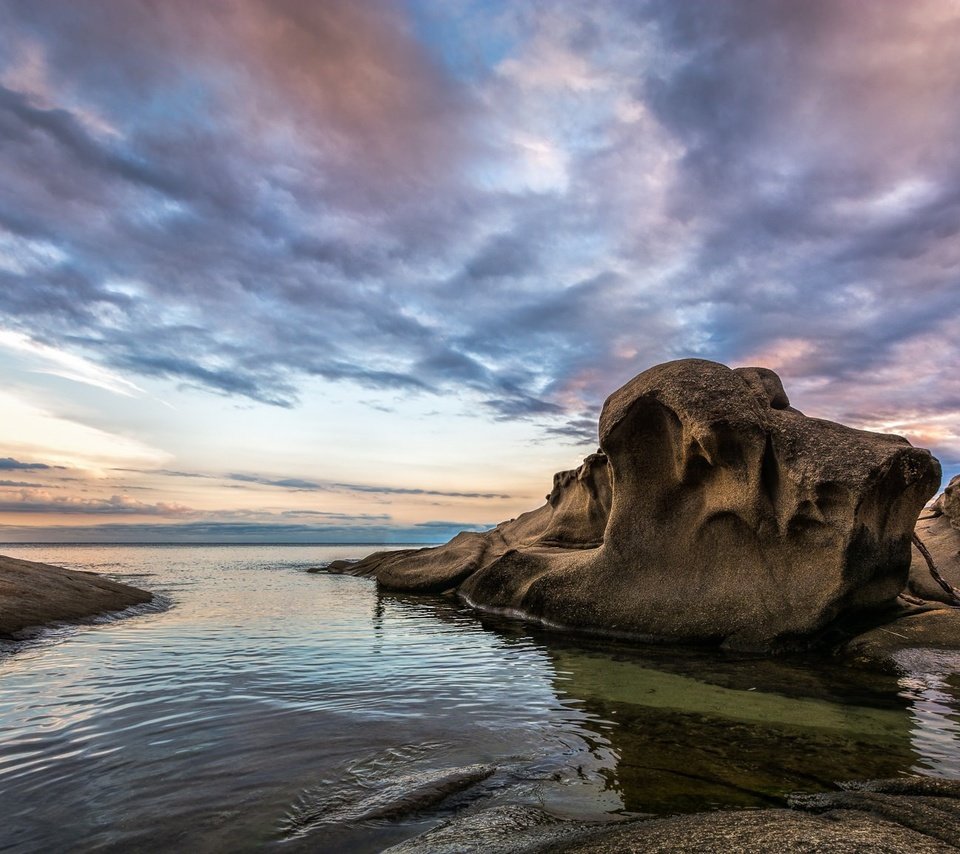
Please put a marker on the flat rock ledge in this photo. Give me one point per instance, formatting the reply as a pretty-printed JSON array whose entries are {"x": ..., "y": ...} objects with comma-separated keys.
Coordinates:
[
  {"x": 930, "y": 627},
  {"x": 713, "y": 513},
  {"x": 37, "y": 594},
  {"x": 915, "y": 815}
]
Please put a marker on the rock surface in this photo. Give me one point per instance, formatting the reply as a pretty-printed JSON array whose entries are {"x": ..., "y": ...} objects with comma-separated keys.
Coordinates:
[
  {"x": 34, "y": 594},
  {"x": 939, "y": 531},
  {"x": 948, "y": 502},
  {"x": 574, "y": 517},
  {"x": 714, "y": 512},
  {"x": 886, "y": 816},
  {"x": 918, "y": 628}
]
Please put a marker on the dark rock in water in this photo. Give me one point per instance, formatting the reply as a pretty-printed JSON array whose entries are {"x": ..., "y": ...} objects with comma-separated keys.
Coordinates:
[
  {"x": 939, "y": 532},
  {"x": 715, "y": 513},
  {"x": 885, "y": 816},
  {"x": 396, "y": 798}
]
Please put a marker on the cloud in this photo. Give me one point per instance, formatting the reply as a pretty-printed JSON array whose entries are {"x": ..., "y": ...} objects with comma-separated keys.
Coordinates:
[
  {"x": 38, "y": 502},
  {"x": 447, "y": 525},
  {"x": 10, "y": 464},
  {"x": 397, "y": 490},
  {"x": 65, "y": 437},
  {"x": 68, "y": 365},
  {"x": 285, "y": 483},
  {"x": 241, "y": 200},
  {"x": 578, "y": 430},
  {"x": 303, "y": 485},
  {"x": 41, "y": 502}
]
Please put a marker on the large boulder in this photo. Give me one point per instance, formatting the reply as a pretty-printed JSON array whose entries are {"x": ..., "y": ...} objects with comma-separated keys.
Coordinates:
[{"x": 715, "y": 512}]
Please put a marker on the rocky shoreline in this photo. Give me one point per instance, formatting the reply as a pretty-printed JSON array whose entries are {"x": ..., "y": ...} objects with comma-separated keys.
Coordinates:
[
  {"x": 716, "y": 513},
  {"x": 887, "y": 816},
  {"x": 37, "y": 594}
]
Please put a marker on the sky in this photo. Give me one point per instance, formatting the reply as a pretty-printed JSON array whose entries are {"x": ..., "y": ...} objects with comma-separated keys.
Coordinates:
[{"x": 280, "y": 270}]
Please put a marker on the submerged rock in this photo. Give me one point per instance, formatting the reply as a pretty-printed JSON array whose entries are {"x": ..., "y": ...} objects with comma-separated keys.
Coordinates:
[
  {"x": 393, "y": 799},
  {"x": 714, "y": 512}
]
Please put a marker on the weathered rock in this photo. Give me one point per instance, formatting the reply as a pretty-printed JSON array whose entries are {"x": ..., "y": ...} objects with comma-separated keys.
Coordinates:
[
  {"x": 889, "y": 816},
  {"x": 928, "y": 806},
  {"x": 758, "y": 832},
  {"x": 926, "y": 627},
  {"x": 574, "y": 517},
  {"x": 948, "y": 502},
  {"x": 33, "y": 594},
  {"x": 730, "y": 517},
  {"x": 939, "y": 531}
]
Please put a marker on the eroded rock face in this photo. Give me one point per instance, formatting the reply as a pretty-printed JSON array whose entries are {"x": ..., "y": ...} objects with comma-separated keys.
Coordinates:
[
  {"x": 939, "y": 530},
  {"x": 574, "y": 517},
  {"x": 715, "y": 512}
]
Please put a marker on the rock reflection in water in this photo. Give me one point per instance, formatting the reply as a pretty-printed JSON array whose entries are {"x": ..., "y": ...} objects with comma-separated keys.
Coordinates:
[
  {"x": 689, "y": 730},
  {"x": 730, "y": 738},
  {"x": 931, "y": 684}
]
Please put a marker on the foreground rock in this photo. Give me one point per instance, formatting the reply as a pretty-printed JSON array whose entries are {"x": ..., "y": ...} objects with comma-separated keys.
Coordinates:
[
  {"x": 714, "y": 512},
  {"x": 886, "y": 816},
  {"x": 34, "y": 594}
]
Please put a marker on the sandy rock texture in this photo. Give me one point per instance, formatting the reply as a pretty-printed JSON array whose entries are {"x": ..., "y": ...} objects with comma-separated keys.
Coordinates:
[
  {"x": 33, "y": 594},
  {"x": 714, "y": 512},
  {"x": 881, "y": 816}
]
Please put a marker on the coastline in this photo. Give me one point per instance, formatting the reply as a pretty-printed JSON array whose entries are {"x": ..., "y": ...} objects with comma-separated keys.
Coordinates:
[{"x": 38, "y": 594}]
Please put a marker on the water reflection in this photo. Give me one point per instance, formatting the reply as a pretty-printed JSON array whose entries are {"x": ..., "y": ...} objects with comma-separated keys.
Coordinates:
[
  {"x": 931, "y": 685},
  {"x": 690, "y": 730},
  {"x": 263, "y": 688}
]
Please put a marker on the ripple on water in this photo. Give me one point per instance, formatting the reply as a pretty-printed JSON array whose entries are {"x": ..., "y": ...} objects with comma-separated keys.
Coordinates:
[{"x": 266, "y": 702}]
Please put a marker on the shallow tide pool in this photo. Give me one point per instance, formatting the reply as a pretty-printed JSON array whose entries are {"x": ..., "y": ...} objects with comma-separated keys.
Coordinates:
[{"x": 265, "y": 707}]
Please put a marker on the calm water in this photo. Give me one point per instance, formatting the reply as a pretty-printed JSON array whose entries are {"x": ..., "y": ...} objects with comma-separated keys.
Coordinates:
[{"x": 271, "y": 708}]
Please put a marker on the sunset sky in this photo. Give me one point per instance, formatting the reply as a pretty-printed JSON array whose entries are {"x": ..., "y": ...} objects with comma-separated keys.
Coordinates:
[{"x": 282, "y": 270}]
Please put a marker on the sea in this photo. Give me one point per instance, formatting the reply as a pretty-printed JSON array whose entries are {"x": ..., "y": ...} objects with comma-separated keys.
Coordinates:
[{"x": 258, "y": 706}]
